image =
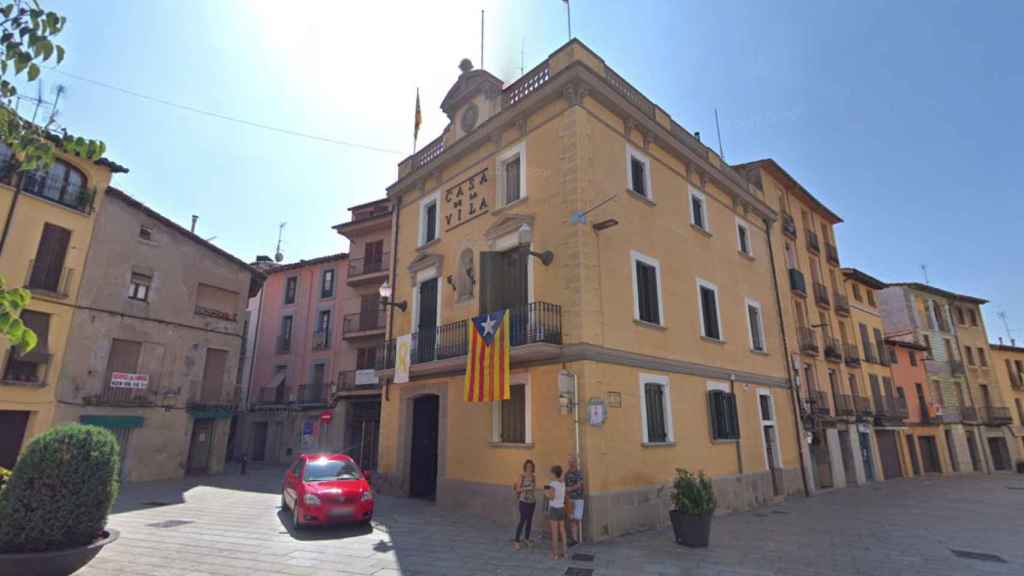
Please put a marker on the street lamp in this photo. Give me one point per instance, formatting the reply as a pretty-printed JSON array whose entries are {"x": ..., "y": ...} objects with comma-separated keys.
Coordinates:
[{"x": 385, "y": 297}]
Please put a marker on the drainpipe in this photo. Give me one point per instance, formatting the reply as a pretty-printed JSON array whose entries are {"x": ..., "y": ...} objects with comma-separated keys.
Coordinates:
[
  {"x": 800, "y": 440},
  {"x": 10, "y": 212},
  {"x": 393, "y": 280},
  {"x": 739, "y": 448}
]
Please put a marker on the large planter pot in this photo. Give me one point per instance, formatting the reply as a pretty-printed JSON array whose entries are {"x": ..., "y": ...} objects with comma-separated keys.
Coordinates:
[
  {"x": 56, "y": 563},
  {"x": 691, "y": 529}
]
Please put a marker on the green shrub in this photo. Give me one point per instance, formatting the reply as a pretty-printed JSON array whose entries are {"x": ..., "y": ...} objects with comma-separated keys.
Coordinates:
[
  {"x": 61, "y": 490},
  {"x": 693, "y": 494},
  {"x": 4, "y": 475}
]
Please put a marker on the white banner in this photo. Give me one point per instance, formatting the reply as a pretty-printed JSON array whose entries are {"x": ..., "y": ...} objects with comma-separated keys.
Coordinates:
[
  {"x": 129, "y": 380},
  {"x": 403, "y": 358}
]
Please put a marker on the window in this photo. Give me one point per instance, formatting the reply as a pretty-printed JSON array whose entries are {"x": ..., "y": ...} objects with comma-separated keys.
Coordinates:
[
  {"x": 646, "y": 289},
  {"x": 765, "y": 401},
  {"x": 770, "y": 436},
  {"x": 755, "y": 323},
  {"x": 928, "y": 344},
  {"x": 213, "y": 375},
  {"x": 61, "y": 183},
  {"x": 871, "y": 297},
  {"x": 139, "y": 287},
  {"x": 290, "y": 286},
  {"x": 973, "y": 316},
  {"x": 322, "y": 336},
  {"x": 146, "y": 233},
  {"x": 217, "y": 302},
  {"x": 327, "y": 283},
  {"x": 512, "y": 416},
  {"x": 655, "y": 409},
  {"x": 970, "y": 355},
  {"x": 960, "y": 315},
  {"x": 511, "y": 176},
  {"x": 913, "y": 357},
  {"x": 373, "y": 257},
  {"x": 26, "y": 367},
  {"x": 366, "y": 358},
  {"x": 638, "y": 171},
  {"x": 48, "y": 266},
  {"x": 284, "y": 339},
  {"x": 725, "y": 424},
  {"x": 429, "y": 219},
  {"x": 856, "y": 293},
  {"x": 982, "y": 359},
  {"x": 124, "y": 357},
  {"x": 708, "y": 301},
  {"x": 743, "y": 238},
  {"x": 698, "y": 210}
]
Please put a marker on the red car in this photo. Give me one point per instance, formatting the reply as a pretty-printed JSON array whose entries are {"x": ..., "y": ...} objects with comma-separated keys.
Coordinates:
[{"x": 326, "y": 489}]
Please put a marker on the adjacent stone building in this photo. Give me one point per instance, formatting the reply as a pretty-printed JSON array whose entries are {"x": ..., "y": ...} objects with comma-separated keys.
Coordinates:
[{"x": 155, "y": 340}]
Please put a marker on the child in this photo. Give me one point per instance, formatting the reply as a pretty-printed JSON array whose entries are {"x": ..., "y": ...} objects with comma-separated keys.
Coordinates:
[{"x": 555, "y": 492}]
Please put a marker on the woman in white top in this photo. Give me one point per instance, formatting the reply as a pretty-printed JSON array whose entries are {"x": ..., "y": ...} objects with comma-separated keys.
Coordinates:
[{"x": 555, "y": 493}]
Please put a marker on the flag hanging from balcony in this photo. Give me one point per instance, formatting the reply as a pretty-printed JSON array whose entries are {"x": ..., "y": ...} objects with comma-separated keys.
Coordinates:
[{"x": 487, "y": 364}]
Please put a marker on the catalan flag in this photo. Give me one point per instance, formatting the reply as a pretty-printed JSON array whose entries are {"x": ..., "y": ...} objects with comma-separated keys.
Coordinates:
[{"x": 487, "y": 365}]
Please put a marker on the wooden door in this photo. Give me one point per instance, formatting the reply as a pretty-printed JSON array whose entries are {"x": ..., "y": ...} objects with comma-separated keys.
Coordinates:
[
  {"x": 49, "y": 262},
  {"x": 423, "y": 469},
  {"x": 426, "y": 325},
  {"x": 199, "y": 447}
]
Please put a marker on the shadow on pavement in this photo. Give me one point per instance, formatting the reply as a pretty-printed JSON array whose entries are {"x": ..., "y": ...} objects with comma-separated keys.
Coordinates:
[
  {"x": 134, "y": 496},
  {"x": 314, "y": 533}
]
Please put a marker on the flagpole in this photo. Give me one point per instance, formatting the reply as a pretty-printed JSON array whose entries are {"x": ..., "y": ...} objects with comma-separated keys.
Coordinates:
[{"x": 568, "y": 17}]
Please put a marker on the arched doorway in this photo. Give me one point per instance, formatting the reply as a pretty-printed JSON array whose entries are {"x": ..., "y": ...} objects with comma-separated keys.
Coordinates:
[{"x": 423, "y": 459}]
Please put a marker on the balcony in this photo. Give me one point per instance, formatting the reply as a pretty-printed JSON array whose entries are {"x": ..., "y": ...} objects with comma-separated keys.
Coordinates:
[
  {"x": 821, "y": 295},
  {"x": 851, "y": 355},
  {"x": 1016, "y": 380},
  {"x": 997, "y": 416},
  {"x": 66, "y": 193},
  {"x": 368, "y": 269},
  {"x": 788, "y": 225},
  {"x": 534, "y": 323},
  {"x": 214, "y": 399},
  {"x": 956, "y": 367},
  {"x": 845, "y": 406},
  {"x": 926, "y": 414},
  {"x": 870, "y": 353},
  {"x": 883, "y": 354},
  {"x": 314, "y": 394},
  {"x": 322, "y": 340},
  {"x": 841, "y": 303},
  {"x": 126, "y": 397},
  {"x": 362, "y": 324},
  {"x": 271, "y": 395},
  {"x": 831, "y": 253},
  {"x": 969, "y": 414},
  {"x": 862, "y": 406},
  {"x": 812, "y": 241},
  {"x": 833, "y": 350},
  {"x": 48, "y": 281},
  {"x": 797, "y": 283},
  {"x": 818, "y": 403},
  {"x": 890, "y": 411},
  {"x": 808, "y": 339},
  {"x": 358, "y": 381},
  {"x": 283, "y": 344}
]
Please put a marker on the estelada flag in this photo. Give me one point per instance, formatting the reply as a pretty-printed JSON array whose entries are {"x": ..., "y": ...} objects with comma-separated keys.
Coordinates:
[
  {"x": 419, "y": 118},
  {"x": 487, "y": 364}
]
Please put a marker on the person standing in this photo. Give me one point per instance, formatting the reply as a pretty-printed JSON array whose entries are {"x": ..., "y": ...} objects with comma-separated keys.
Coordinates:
[
  {"x": 555, "y": 492},
  {"x": 524, "y": 487},
  {"x": 574, "y": 489}
]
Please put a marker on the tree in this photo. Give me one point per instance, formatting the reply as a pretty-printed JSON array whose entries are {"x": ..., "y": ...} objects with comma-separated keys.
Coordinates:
[{"x": 27, "y": 33}]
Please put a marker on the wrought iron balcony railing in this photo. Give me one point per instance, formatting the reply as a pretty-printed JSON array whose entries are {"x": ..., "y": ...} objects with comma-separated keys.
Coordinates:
[
  {"x": 788, "y": 225},
  {"x": 851, "y": 355},
  {"x": 818, "y": 403},
  {"x": 54, "y": 282},
  {"x": 997, "y": 415},
  {"x": 812, "y": 241},
  {"x": 1016, "y": 380},
  {"x": 314, "y": 393},
  {"x": 796, "y": 282},
  {"x": 271, "y": 395},
  {"x": 883, "y": 353},
  {"x": 321, "y": 340},
  {"x": 368, "y": 321},
  {"x": 956, "y": 367},
  {"x": 862, "y": 404},
  {"x": 969, "y": 413},
  {"x": 821, "y": 295},
  {"x": 66, "y": 193},
  {"x": 360, "y": 379},
  {"x": 832, "y": 253},
  {"x": 841, "y": 303},
  {"x": 845, "y": 405},
  {"x": 808, "y": 339},
  {"x": 890, "y": 410},
  {"x": 537, "y": 322},
  {"x": 833, "y": 351},
  {"x": 365, "y": 266}
]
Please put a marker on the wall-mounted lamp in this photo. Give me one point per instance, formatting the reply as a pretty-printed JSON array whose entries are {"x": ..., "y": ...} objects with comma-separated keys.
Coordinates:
[
  {"x": 385, "y": 297},
  {"x": 605, "y": 224},
  {"x": 526, "y": 237}
]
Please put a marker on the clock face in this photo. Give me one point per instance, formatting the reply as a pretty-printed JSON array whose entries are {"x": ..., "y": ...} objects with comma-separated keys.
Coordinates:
[{"x": 469, "y": 118}]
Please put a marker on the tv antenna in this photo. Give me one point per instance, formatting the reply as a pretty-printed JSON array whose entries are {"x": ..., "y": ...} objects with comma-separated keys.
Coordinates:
[
  {"x": 924, "y": 269},
  {"x": 278, "y": 255},
  {"x": 1006, "y": 325}
]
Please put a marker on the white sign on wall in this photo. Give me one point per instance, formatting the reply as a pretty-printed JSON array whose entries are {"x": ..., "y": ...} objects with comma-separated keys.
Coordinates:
[
  {"x": 366, "y": 377},
  {"x": 129, "y": 380}
]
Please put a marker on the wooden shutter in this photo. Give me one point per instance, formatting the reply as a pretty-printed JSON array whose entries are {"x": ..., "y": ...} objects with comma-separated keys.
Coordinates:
[
  {"x": 755, "y": 327},
  {"x": 49, "y": 263},
  {"x": 724, "y": 420},
  {"x": 512, "y": 170},
  {"x": 213, "y": 374},
  {"x": 513, "y": 415},
  {"x": 39, "y": 323},
  {"x": 490, "y": 281},
  {"x": 124, "y": 357},
  {"x": 638, "y": 179},
  {"x": 709, "y": 310},
  {"x": 431, "y": 223},
  {"x": 647, "y": 293},
  {"x": 654, "y": 396}
]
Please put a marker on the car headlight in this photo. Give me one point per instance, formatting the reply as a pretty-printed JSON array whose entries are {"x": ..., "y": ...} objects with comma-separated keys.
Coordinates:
[
  {"x": 311, "y": 500},
  {"x": 367, "y": 496}
]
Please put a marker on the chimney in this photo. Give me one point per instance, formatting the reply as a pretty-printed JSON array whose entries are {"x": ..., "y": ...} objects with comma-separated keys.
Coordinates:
[
  {"x": 194, "y": 219},
  {"x": 697, "y": 136}
]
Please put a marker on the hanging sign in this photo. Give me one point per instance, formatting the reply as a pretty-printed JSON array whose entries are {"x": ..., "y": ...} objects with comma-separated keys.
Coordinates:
[
  {"x": 598, "y": 411},
  {"x": 129, "y": 380},
  {"x": 466, "y": 200},
  {"x": 403, "y": 357}
]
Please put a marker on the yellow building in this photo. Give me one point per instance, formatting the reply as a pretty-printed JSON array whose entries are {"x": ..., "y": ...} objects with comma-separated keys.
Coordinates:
[
  {"x": 1008, "y": 364},
  {"x": 48, "y": 224},
  {"x": 636, "y": 266}
]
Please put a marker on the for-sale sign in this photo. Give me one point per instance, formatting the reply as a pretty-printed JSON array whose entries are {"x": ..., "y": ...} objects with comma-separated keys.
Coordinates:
[{"x": 129, "y": 380}]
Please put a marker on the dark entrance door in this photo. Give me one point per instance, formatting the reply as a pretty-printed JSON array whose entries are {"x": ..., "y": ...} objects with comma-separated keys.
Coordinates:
[
  {"x": 972, "y": 450},
  {"x": 929, "y": 454},
  {"x": 258, "y": 446},
  {"x": 363, "y": 433},
  {"x": 13, "y": 425},
  {"x": 1000, "y": 453},
  {"x": 865, "y": 456},
  {"x": 199, "y": 448},
  {"x": 423, "y": 469},
  {"x": 426, "y": 325},
  {"x": 913, "y": 455},
  {"x": 889, "y": 453}
]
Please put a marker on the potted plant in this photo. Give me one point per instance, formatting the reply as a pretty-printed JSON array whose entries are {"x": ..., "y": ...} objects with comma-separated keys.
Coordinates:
[
  {"x": 693, "y": 501},
  {"x": 53, "y": 508}
]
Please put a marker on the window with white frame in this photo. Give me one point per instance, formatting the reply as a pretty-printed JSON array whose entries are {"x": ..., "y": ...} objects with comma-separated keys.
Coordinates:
[
  {"x": 646, "y": 288},
  {"x": 511, "y": 418},
  {"x": 638, "y": 171},
  {"x": 725, "y": 422},
  {"x": 707, "y": 301},
  {"x": 755, "y": 323},
  {"x": 656, "y": 409},
  {"x": 743, "y": 239},
  {"x": 430, "y": 219},
  {"x": 770, "y": 435},
  {"x": 139, "y": 287},
  {"x": 511, "y": 165},
  {"x": 699, "y": 210},
  {"x": 327, "y": 283}
]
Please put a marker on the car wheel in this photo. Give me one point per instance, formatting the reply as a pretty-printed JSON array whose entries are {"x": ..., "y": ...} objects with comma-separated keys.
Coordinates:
[{"x": 296, "y": 520}]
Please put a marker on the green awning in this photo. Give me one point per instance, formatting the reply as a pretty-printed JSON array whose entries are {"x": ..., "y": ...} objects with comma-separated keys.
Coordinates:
[
  {"x": 112, "y": 421},
  {"x": 203, "y": 413}
]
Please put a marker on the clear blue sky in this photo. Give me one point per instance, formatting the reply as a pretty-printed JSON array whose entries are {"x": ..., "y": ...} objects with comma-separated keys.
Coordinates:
[{"x": 903, "y": 117}]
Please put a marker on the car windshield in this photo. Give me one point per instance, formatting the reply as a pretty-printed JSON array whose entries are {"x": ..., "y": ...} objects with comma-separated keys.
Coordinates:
[{"x": 323, "y": 470}]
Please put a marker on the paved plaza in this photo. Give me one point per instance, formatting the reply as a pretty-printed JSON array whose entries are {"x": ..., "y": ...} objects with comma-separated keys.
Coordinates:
[{"x": 231, "y": 525}]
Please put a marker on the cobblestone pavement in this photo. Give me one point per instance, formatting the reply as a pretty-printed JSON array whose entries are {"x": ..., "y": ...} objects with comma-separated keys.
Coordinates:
[{"x": 234, "y": 527}]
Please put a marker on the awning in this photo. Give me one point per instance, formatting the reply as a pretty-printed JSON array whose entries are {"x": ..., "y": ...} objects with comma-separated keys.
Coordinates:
[
  {"x": 112, "y": 421},
  {"x": 211, "y": 413}
]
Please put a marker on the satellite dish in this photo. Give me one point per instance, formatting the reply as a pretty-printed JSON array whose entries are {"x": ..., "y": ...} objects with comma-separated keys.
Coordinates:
[{"x": 279, "y": 257}]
